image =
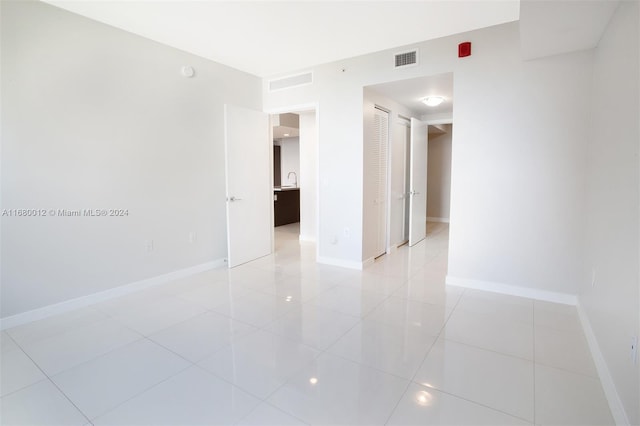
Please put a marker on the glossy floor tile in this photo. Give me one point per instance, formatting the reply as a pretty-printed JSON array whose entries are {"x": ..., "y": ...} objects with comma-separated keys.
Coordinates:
[
  {"x": 17, "y": 371},
  {"x": 489, "y": 332},
  {"x": 333, "y": 390},
  {"x": 435, "y": 294},
  {"x": 62, "y": 323},
  {"x": 284, "y": 340},
  {"x": 392, "y": 349},
  {"x": 257, "y": 309},
  {"x": 298, "y": 288},
  {"x": 314, "y": 326},
  {"x": 68, "y": 349},
  {"x": 39, "y": 404},
  {"x": 566, "y": 398},
  {"x": 375, "y": 282},
  {"x": 260, "y": 362},
  {"x": 191, "y": 397},
  {"x": 267, "y": 415},
  {"x": 498, "y": 381},
  {"x": 409, "y": 313},
  {"x": 563, "y": 349},
  {"x": 558, "y": 317},
  {"x": 201, "y": 336},
  {"x": 349, "y": 300},
  {"x": 421, "y": 405},
  {"x": 102, "y": 384},
  {"x": 499, "y": 307},
  {"x": 157, "y": 314}
]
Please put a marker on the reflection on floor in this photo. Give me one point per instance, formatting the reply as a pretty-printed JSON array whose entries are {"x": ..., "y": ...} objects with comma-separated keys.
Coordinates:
[
  {"x": 284, "y": 340},
  {"x": 284, "y": 235}
]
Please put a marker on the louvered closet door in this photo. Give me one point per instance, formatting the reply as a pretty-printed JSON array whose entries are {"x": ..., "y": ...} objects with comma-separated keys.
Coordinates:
[{"x": 379, "y": 158}]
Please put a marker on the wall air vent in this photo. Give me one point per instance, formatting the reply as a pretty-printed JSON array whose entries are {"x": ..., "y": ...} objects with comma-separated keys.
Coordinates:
[
  {"x": 405, "y": 59},
  {"x": 291, "y": 81}
]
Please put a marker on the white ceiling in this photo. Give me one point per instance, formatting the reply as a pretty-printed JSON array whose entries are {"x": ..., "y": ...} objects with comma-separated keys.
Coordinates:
[
  {"x": 269, "y": 37},
  {"x": 410, "y": 92}
]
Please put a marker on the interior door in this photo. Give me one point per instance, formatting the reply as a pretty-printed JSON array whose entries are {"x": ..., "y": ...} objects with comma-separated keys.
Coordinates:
[
  {"x": 381, "y": 148},
  {"x": 249, "y": 192},
  {"x": 418, "y": 182}
]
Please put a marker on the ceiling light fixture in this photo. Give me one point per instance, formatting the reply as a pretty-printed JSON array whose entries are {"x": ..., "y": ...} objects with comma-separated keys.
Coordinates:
[{"x": 433, "y": 101}]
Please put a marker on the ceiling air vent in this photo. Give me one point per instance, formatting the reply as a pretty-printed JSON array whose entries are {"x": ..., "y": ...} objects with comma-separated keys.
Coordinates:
[
  {"x": 406, "y": 58},
  {"x": 291, "y": 81}
]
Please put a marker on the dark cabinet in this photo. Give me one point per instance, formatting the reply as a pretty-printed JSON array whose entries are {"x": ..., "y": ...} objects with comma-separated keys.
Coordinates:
[{"x": 286, "y": 206}]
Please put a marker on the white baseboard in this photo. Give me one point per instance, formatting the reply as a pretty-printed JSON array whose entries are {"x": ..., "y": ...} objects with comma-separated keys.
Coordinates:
[
  {"x": 395, "y": 247},
  {"x": 609, "y": 387},
  {"x": 341, "y": 263},
  {"x": 438, "y": 219},
  {"x": 83, "y": 301},
  {"x": 531, "y": 293},
  {"x": 368, "y": 262}
]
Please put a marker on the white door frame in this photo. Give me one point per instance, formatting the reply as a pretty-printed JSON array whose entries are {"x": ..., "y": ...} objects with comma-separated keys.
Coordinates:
[
  {"x": 405, "y": 122},
  {"x": 313, "y": 106}
]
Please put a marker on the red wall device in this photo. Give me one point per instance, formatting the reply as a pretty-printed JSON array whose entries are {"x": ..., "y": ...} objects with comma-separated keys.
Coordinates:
[{"x": 464, "y": 49}]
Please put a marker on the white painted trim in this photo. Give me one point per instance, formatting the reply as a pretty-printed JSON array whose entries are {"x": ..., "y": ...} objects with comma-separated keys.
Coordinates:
[
  {"x": 396, "y": 246},
  {"x": 609, "y": 387},
  {"x": 371, "y": 260},
  {"x": 438, "y": 219},
  {"x": 443, "y": 120},
  {"x": 83, "y": 301},
  {"x": 311, "y": 106},
  {"x": 341, "y": 263},
  {"x": 513, "y": 290},
  {"x": 307, "y": 238}
]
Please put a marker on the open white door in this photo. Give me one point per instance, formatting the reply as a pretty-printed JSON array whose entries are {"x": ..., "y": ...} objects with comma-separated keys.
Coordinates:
[
  {"x": 418, "y": 182},
  {"x": 249, "y": 192}
]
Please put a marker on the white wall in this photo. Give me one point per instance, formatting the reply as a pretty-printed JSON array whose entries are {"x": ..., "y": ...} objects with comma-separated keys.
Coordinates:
[
  {"x": 518, "y": 158},
  {"x": 612, "y": 306},
  {"x": 94, "y": 117},
  {"x": 439, "y": 175},
  {"x": 290, "y": 161},
  {"x": 518, "y": 171},
  {"x": 396, "y": 173},
  {"x": 308, "y": 176}
]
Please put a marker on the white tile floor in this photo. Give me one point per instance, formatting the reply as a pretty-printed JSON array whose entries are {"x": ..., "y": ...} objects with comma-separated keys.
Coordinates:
[{"x": 284, "y": 340}]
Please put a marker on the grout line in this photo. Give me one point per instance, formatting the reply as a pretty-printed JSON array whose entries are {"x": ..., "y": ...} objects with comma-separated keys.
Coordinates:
[
  {"x": 144, "y": 391},
  {"x": 412, "y": 379},
  {"x": 52, "y": 382},
  {"x": 478, "y": 403}
]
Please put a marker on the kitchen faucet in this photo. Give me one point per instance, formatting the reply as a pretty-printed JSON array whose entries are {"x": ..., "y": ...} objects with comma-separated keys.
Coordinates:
[{"x": 295, "y": 176}]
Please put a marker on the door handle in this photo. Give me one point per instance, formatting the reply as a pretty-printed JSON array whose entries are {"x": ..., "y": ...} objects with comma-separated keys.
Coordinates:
[
  {"x": 413, "y": 193},
  {"x": 233, "y": 199}
]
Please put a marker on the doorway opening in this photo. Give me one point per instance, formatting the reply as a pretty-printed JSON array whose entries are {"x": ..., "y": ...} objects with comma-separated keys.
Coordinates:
[
  {"x": 416, "y": 182},
  {"x": 439, "y": 173},
  {"x": 294, "y": 169}
]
